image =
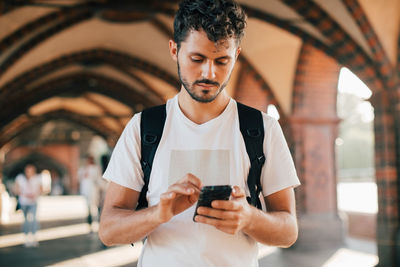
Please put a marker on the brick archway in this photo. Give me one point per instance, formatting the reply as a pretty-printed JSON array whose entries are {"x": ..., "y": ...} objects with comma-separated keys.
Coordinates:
[
  {"x": 59, "y": 155},
  {"x": 100, "y": 56},
  {"x": 25, "y": 124},
  {"x": 72, "y": 84},
  {"x": 41, "y": 162}
]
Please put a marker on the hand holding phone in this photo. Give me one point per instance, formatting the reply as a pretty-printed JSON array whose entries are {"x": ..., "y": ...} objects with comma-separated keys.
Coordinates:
[{"x": 210, "y": 193}]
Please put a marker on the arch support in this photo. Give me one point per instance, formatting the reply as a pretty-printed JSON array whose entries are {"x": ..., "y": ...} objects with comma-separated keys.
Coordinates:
[
  {"x": 314, "y": 127},
  {"x": 387, "y": 167}
]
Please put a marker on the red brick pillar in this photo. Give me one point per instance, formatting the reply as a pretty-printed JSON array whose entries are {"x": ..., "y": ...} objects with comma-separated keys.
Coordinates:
[
  {"x": 397, "y": 137},
  {"x": 314, "y": 127},
  {"x": 68, "y": 155},
  {"x": 250, "y": 88},
  {"x": 387, "y": 175}
]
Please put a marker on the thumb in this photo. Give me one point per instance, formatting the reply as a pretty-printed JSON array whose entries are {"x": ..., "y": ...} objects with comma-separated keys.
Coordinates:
[
  {"x": 167, "y": 198},
  {"x": 238, "y": 192}
]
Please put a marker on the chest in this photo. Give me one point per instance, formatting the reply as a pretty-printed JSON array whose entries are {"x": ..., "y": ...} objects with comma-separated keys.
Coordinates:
[
  {"x": 29, "y": 185},
  {"x": 216, "y": 155}
]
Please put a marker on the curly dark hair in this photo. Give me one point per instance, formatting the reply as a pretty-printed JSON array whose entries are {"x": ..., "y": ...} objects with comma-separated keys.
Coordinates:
[{"x": 220, "y": 19}]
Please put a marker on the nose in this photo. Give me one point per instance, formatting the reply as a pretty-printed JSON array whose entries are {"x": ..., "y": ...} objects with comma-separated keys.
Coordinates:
[{"x": 208, "y": 70}]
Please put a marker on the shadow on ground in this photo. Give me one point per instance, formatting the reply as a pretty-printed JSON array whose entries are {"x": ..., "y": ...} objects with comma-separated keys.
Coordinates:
[{"x": 51, "y": 251}]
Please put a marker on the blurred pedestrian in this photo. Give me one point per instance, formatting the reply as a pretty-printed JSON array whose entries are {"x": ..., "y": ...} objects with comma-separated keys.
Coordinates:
[
  {"x": 28, "y": 186},
  {"x": 57, "y": 188},
  {"x": 4, "y": 203},
  {"x": 89, "y": 176}
]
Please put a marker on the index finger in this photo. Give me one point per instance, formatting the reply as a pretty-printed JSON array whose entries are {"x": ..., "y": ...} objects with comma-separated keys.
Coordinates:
[{"x": 192, "y": 179}]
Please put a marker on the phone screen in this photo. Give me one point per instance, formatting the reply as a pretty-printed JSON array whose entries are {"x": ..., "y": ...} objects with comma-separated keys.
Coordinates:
[{"x": 210, "y": 193}]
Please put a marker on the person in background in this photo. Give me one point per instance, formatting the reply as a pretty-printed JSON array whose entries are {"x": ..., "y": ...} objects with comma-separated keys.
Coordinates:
[
  {"x": 57, "y": 188},
  {"x": 4, "y": 202},
  {"x": 89, "y": 176},
  {"x": 28, "y": 187}
]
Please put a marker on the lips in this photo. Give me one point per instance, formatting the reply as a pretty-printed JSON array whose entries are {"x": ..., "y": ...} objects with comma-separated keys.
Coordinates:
[{"x": 206, "y": 85}]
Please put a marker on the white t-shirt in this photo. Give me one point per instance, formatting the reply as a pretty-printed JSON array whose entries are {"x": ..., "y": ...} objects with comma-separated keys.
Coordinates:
[
  {"x": 215, "y": 152},
  {"x": 29, "y": 189}
]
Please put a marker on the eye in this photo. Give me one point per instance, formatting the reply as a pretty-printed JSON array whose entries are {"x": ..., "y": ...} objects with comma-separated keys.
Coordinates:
[
  {"x": 222, "y": 61},
  {"x": 197, "y": 59}
]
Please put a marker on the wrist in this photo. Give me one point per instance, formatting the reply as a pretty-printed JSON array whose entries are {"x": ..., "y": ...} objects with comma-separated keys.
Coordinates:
[
  {"x": 251, "y": 216},
  {"x": 159, "y": 214}
]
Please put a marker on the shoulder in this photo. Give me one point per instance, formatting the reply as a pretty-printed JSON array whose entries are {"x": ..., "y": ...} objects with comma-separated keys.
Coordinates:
[
  {"x": 132, "y": 126},
  {"x": 19, "y": 178},
  {"x": 134, "y": 121},
  {"x": 272, "y": 128},
  {"x": 270, "y": 123}
]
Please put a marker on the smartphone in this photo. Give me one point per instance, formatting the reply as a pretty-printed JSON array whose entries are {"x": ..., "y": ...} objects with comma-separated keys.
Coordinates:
[{"x": 212, "y": 192}]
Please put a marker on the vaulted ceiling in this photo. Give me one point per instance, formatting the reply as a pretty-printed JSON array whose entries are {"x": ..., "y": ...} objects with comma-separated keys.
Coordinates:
[{"x": 98, "y": 62}]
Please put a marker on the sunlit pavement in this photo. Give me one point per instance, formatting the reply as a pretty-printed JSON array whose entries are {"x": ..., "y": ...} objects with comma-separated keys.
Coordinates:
[{"x": 65, "y": 239}]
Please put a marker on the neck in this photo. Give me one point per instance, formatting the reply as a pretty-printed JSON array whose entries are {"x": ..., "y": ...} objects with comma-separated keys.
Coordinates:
[{"x": 199, "y": 112}]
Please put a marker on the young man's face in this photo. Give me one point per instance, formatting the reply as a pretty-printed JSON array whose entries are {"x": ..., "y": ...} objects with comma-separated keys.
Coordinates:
[
  {"x": 204, "y": 67},
  {"x": 30, "y": 171}
]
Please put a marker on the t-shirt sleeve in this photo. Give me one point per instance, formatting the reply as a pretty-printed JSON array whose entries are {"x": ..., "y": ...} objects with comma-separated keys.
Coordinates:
[
  {"x": 278, "y": 171},
  {"x": 124, "y": 167},
  {"x": 18, "y": 181}
]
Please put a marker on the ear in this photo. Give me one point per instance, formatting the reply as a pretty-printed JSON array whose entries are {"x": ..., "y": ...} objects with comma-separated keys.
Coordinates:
[
  {"x": 173, "y": 50},
  {"x": 238, "y": 50}
]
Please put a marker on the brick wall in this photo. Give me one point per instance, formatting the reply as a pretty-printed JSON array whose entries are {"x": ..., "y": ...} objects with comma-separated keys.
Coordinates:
[
  {"x": 249, "y": 89},
  {"x": 67, "y": 155},
  {"x": 314, "y": 126}
]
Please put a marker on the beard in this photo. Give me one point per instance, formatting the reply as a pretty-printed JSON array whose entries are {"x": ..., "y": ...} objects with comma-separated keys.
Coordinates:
[{"x": 205, "y": 96}]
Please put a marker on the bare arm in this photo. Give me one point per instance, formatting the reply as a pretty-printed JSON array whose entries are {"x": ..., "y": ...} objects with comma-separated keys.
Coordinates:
[
  {"x": 121, "y": 224},
  {"x": 277, "y": 227},
  {"x": 17, "y": 190}
]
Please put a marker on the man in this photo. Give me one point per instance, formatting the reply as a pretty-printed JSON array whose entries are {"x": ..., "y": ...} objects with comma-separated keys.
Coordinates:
[
  {"x": 201, "y": 145},
  {"x": 28, "y": 187}
]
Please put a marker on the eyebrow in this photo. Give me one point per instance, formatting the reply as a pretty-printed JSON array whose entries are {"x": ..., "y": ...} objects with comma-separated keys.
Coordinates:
[{"x": 201, "y": 55}]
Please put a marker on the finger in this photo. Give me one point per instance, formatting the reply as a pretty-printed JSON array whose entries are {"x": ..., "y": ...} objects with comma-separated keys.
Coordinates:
[
  {"x": 194, "y": 198},
  {"x": 217, "y": 223},
  {"x": 167, "y": 198},
  {"x": 218, "y": 214},
  {"x": 225, "y": 205},
  {"x": 183, "y": 189},
  {"x": 238, "y": 192},
  {"x": 190, "y": 178}
]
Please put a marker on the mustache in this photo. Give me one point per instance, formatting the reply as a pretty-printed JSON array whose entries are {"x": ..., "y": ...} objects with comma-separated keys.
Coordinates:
[{"x": 206, "y": 81}]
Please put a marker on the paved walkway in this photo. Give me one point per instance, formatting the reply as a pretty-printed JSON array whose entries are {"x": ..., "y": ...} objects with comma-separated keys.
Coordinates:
[{"x": 66, "y": 240}]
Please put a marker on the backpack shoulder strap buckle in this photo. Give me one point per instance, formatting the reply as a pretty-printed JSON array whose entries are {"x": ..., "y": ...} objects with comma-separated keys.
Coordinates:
[{"x": 149, "y": 138}]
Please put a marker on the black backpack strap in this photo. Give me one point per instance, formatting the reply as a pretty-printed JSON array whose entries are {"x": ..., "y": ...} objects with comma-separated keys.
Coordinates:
[
  {"x": 252, "y": 129},
  {"x": 151, "y": 129}
]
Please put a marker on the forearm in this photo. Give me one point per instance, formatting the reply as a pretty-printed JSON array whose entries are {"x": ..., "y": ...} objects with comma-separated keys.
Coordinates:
[
  {"x": 17, "y": 190},
  {"x": 272, "y": 228},
  {"x": 123, "y": 226}
]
